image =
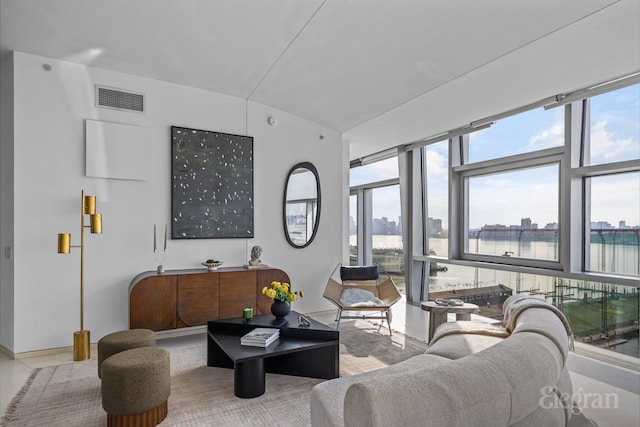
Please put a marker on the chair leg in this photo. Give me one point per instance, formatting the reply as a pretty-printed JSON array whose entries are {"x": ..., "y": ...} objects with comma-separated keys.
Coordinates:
[
  {"x": 338, "y": 318},
  {"x": 389, "y": 316}
]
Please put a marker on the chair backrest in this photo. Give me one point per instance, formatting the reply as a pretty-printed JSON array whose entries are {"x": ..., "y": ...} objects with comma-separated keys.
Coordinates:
[
  {"x": 358, "y": 273},
  {"x": 362, "y": 277}
]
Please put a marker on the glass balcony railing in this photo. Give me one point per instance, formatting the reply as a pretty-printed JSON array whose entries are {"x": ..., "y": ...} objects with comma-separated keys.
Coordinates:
[{"x": 603, "y": 315}]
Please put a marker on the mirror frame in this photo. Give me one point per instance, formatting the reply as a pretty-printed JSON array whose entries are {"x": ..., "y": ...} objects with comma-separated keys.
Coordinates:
[{"x": 316, "y": 224}]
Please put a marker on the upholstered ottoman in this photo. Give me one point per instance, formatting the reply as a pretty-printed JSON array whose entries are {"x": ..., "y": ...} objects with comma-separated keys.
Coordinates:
[
  {"x": 123, "y": 340},
  {"x": 136, "y": 387}
]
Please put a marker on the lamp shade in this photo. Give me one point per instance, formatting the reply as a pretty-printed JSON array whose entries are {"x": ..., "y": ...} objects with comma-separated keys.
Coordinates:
[
  {"x": 96, "y": 224},
  {"x": 64, "y": 243},
  {"x": 90, "y": 205}
]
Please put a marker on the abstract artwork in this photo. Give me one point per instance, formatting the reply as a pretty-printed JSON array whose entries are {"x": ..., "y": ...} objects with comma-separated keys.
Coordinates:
[{"x": 211, "y": 184}]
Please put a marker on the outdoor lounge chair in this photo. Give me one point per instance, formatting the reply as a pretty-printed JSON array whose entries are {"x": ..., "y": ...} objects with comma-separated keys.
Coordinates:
[{"x": 361, "y": 289}]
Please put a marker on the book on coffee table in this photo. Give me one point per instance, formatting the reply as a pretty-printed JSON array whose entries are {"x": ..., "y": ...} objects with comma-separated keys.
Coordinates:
[{"x": 260, "y": 337}]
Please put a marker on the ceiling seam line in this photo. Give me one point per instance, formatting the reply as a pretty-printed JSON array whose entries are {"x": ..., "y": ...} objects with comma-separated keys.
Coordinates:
[
  {"x": 482, "y": 65},
  {"x": 285, "y": 50}
]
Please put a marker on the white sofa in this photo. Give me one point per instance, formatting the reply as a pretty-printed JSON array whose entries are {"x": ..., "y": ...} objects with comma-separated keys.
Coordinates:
[{"x": 473, "y": 374}]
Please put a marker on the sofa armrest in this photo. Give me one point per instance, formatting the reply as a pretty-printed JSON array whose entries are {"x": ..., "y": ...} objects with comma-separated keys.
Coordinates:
[
  {"x": 327, "y": 398},
  {"x": 544, "y": 322}
]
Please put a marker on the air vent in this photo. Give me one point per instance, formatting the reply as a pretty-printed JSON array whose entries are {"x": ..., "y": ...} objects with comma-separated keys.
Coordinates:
[{"x": 117, "y": 99}]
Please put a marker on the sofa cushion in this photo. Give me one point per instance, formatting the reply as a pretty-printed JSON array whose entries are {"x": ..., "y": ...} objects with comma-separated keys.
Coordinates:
[
  {"x": 462, "y": 345},
  {"x": 470, "y": 327},
  {"x": 462, "y": 338},
  {"x": 356, "y": 297},
  {"x": 327, "y": 398},
  {"x": 467, "y": 392}
]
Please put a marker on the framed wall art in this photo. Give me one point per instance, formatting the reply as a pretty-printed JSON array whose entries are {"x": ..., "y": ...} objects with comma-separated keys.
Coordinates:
[{"x": 211, "y": 184}]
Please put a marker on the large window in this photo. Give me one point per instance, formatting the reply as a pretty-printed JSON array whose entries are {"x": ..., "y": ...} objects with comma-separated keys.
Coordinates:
[
  {"x": 437, "y": 195},
  {"x": 386, "y": 246},
  {"x": 614, "y": 227},
  {"x": 544, "y": 202},
  {"x": 514, "y": 214},
  {"x": 614, "y": 126},
  {"x": 612, "y": 187},
  {"x": 374, "y": 172},
  {"x": 530, "y": 131},
  {"x": 375, "y": 221},
  {"x": 437, "y": 171},
  {"x": 353, "y": 229}
]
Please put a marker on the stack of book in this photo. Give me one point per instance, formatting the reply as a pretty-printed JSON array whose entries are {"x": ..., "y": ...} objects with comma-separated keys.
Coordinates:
[{"x": 260, "y": 337}]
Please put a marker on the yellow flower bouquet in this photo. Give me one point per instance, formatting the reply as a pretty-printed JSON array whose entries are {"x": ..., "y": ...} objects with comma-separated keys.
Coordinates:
[{"x": 280, "y": 291}]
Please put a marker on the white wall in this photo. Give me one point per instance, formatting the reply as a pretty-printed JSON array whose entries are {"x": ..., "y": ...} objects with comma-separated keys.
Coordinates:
[
  {"x": 49, "y": 114},
  {"x": 6, "y": 195}
]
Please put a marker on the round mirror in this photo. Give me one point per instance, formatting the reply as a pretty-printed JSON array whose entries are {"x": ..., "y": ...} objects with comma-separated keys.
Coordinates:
[{"x": 301, "y": 209}]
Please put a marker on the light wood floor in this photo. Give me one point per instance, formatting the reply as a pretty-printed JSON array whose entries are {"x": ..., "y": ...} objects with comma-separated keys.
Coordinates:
[{"x": 591, "y": 378}]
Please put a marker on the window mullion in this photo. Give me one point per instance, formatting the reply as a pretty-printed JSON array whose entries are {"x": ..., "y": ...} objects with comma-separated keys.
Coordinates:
[
  {"x": 456, "y": 198},
  {"x": 572, "y": 201},
  {"x": 366, "y": 219}
]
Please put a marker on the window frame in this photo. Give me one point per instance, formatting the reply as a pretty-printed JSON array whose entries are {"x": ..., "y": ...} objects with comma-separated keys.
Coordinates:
[
  {"x": 573, "y": 223},
  {"x": 364, "y": 221},
  {"x": 547, "y": 157}
]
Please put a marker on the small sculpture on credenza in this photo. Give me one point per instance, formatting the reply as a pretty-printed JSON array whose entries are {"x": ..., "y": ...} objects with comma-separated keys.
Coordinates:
[
  {"x": 255, "y": 261},
  {"x": 256, "y": 252}
]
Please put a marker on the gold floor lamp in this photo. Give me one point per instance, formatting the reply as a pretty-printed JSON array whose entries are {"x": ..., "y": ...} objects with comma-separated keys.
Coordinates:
[{"x": 81, "y": 339}]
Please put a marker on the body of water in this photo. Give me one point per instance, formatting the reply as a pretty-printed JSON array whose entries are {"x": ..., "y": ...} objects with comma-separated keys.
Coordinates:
[{"x": 609, "y": 257}]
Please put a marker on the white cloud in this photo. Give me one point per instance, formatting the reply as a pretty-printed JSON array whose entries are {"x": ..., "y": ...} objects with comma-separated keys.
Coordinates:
[
  {"x": 437, "y": 164},
  {"x": 553, "y": 137},
  {"x": 604, "y": 144}
]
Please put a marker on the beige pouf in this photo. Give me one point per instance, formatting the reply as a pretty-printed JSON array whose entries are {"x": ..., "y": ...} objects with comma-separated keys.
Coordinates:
[
  {"x": 121, "y": 341},
  {"x": 135, "y": 387}
]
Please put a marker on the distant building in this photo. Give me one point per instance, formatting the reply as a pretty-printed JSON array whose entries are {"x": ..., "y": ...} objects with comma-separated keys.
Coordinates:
[
  {"x": 601, "y": 225},
  {"x": 353, "y": 229},
  {"x": 434, "y": 227}
]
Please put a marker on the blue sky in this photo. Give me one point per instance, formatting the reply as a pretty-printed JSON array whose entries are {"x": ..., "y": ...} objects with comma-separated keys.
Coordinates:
[{"x": 615, "y": 136}]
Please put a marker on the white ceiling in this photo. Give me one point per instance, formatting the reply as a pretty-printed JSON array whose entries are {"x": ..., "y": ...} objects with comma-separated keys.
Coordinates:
[{"x": 382, "y": 72}]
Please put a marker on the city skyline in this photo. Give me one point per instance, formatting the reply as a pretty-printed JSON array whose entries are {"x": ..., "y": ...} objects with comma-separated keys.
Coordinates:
[{"x": 384, "y": 226}]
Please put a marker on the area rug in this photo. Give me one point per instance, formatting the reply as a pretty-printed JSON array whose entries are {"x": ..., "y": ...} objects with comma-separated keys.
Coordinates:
[{"x": 69, "y": 394}]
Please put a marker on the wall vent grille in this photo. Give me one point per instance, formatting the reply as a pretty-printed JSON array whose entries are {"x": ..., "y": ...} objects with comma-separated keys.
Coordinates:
[{"x": 117, "y": 99}]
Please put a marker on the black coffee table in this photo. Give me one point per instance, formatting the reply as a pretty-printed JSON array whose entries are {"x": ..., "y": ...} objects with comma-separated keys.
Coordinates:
[{"x": 311, "y": 351}]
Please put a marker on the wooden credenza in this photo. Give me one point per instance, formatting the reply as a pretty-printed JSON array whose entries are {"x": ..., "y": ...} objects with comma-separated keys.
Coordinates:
[{"x": 184, "y": 298}]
